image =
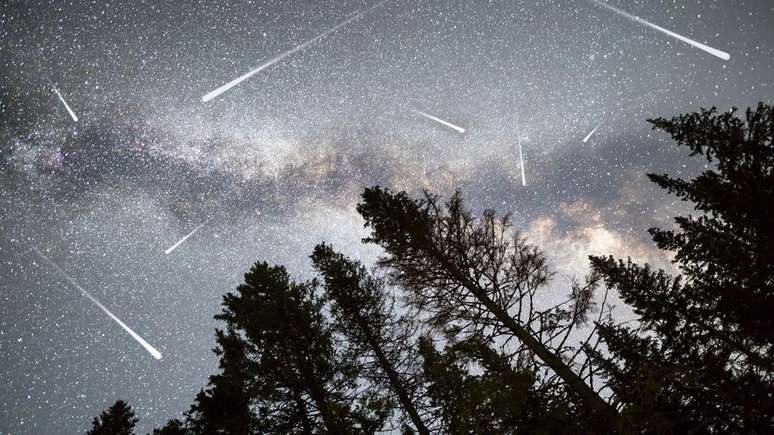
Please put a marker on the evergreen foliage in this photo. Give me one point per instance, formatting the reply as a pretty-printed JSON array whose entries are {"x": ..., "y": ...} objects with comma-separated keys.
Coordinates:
[
  {"x": 119, "y": 419},
  {"x": 702, "y": 359}
]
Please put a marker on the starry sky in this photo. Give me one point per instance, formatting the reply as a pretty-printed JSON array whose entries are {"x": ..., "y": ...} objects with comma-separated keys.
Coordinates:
[{"x": 276, "y": 164}]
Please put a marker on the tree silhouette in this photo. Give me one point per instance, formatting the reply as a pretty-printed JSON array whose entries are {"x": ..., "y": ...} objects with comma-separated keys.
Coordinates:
[
  {"x": 364, "y": 310},
  {"x": 173, "y": 427},
  {"x": 225, "y": 407},
  {"x": 297, "y": 377},
  {"x": 478, "y": 277},
  {"x": 119, "y": 419},
  {"x": 702, "y": 359}
]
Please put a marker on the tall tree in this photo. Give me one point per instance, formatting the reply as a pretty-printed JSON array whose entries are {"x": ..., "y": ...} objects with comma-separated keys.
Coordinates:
[
  {"x": 479, "y": 276},
  {"x": 225, "y": 407},
  {"x": 300, "y": 378},
  {"x": 119, "y": 419},
  {"x": 364, "y": 310},
  {"x": 703, "y": 358}
]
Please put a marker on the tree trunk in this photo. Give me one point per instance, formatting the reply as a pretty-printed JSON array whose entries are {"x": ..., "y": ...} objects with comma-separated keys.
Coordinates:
[
  {"x": 574, "y": 382},
  {"x": 395, "y": 381}
]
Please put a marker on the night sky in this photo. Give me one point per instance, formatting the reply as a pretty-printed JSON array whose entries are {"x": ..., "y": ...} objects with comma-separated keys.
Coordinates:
[{"x": 276, "y": 164}]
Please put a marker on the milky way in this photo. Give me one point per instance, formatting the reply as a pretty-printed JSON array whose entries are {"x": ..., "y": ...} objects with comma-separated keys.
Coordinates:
[{"x": 276, "y": 164}]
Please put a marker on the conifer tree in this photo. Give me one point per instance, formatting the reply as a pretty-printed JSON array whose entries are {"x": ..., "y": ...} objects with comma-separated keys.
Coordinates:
[
  {"x": 300, "y": 379},
  {"x": 225, "y": 407},
  {"x": 119, "y": 419},
  {"x": 702, "y": 358},
  {"x": 365, "y": 314},
  {"x": 480, "y": 278},
  {"x": 173, "y": 427}
]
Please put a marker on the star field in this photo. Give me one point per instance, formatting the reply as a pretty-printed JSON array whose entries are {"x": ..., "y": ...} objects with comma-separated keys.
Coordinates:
[{"x": 276, "y": 164}]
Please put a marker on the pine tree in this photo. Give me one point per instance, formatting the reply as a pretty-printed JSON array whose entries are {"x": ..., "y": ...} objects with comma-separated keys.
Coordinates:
[
  {"x": 119, "y": 419},
  {"x": 365, "y": 314},
  {"x": 477, "y": 277},
  {"x": 298, "y": 377},
  {"x": 703, "y": 358},
  {"x": 172, "y": 427},
  {"x": 225, "y": 407}
]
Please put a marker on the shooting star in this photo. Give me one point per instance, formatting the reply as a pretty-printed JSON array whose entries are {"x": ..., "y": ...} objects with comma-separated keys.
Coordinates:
[
  {"x": 715, "y": 52},
  {"x": 69, "y": 110},
  {"x": 440, "y": 121},
  {"x": 521, "y": 159},
  {"x": 591, "y": 133},
  {"x": 271, "y": 62},
  {"x": 152, "y": 350},
  {"x": 172, "y": 248}
]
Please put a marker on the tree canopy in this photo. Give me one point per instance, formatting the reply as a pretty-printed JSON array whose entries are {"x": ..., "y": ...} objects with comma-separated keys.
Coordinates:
[
  {"x": 118, "y": 419},
  {"x": 702, "y": 358}
]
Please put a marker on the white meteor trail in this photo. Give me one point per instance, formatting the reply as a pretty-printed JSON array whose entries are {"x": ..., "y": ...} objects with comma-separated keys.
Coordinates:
[
  {"x": 271, "y": 62},
  {"x": 521, "y": 159},
  {"x": 172, "y": 248},
  {"x": 440, "y": 121},
  {"x": 69, "y": 110},
  {"x": 591, "y": 133},
  {"x": 715, "y": 52},
  {"x": 152, "y": 350}
]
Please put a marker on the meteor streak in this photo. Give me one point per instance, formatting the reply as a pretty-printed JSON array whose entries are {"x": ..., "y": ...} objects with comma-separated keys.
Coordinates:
[
  {"x": 721, "y": 54},
  {"x": 156, "y": 354},
  {"x": 172, "y": 248},
  {"x": 271, "y": 62},
  {"x": 521, "y": 159},
  {"x": 69, "y": 110},
  {"x": 591, "y": 133},
  {"x": 440, "y": 121}
]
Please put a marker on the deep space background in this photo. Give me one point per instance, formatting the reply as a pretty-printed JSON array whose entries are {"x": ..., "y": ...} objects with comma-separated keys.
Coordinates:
[{"x": 276, "y": 164}]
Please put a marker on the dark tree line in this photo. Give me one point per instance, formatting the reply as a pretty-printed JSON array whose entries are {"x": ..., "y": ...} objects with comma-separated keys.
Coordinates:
[
  {"x": 707, "y": 362},
  {"x": 447, "y": 335}
]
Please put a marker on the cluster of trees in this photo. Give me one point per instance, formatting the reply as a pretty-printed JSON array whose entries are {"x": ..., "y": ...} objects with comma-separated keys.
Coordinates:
[{"x": 447, "y": 335}]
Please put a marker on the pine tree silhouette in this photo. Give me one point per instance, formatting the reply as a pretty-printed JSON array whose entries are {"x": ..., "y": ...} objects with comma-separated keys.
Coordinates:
[
  {"x": 172, "y": 427},
  {"x": 119, "y": 419},
  {"x": 473, "y": 276},
  {"x": 365, "y": 314},
  {"x": 294, "y": 374},
  {"x": 702, "y": 359},
  {"x": 225, "y": 407}
]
